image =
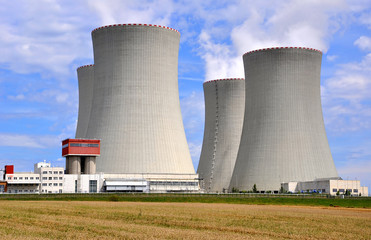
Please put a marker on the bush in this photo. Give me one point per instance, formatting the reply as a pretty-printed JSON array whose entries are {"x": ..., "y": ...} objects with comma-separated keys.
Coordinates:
[{"x": 113, "y": 198}]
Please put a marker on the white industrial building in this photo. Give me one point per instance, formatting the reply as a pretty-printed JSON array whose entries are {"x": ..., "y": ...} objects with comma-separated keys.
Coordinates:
[
  {"x": 327, "y": 186},
  {"x": 44, "y": 179}
]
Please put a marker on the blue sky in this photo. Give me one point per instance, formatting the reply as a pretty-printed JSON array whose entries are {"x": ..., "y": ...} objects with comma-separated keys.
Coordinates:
[{"x": 42, "y": 42}]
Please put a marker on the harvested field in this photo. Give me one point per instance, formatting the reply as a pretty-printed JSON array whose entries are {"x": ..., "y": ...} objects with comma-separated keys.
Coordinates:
[{"x": 143, "y": 220}]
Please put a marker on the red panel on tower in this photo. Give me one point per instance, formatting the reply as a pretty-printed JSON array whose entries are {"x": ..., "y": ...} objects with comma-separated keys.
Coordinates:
[
  {"x": 9, "y": 169},
  {"x": 78, "y": 147}
]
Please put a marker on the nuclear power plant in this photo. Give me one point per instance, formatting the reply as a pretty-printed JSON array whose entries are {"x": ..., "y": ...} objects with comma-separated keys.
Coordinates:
[
  {"x": 265, "y": 130},
  {"x": 224, "y": 112},
  {"x": 283, "y": 137}
]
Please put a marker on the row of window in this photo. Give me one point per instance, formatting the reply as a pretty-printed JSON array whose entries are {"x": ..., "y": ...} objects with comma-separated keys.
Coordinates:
[
  {"x": 25, "y": 178},
  {"x": 52, "y": 184},
  {"x": 343, "y": 190},
  {"x": 53, "y": 172},
  {"x": 84, "y": 145},
  {"x": 46, "y": 191},
  {"x": 26, "y": 191},
  {"x": 174, "y": 183},
  {"x": 52, "y": 178}
]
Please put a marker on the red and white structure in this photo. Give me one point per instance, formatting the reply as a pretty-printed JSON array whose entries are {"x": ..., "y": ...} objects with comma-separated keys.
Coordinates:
[{"x": 80, "y": 155}]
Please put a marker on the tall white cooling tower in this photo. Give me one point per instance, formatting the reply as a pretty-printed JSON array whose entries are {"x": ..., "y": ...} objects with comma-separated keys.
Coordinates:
[
  {"x": 85, "y": 76},
  {"x": 135, "y": 108},
  {"x": 224, "y": 112},
  {"x": 283, "y": 137}
]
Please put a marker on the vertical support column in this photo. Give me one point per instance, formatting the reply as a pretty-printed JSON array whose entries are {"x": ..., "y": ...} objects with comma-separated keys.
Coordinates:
[
  {"x": 74, "y": 165},
  {"x": 90, "y": 165}
]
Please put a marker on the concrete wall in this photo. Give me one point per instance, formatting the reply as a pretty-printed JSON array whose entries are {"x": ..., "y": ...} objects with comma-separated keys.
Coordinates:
[
  {"x": 224, "y": 112},
  {"x": 283, "y": 137},
  {"x": 85, "y": 76},
  {"x": 135, "y": 109}
]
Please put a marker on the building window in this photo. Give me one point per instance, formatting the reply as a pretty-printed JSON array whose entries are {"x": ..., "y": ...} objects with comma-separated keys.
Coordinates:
[
  {"x": 349, "y": 190},
  {"x": 9, "y": 178},
  {"x": 31, "y": 190},
  {"x": 50, "y": 178},
  {"x": 341, "y": 190},
  {"x": 26, "y": 190},
  {"x": 355, "y": 190},
  {"x": 10, "y": 191},
  {"x": 50, "y": 184},
  {"x": 55, "y": 172},
  {"x": 26, "y": 178},
  {"x": 55, "y": 184},
  {"x": 75, "y": 186},
  {"x": 60, "y": 178},
  {"x": 61, "y": 184},
  {"x": 45, "y": 178},
  {"x": 31, "y": 178},
  {"x": 50, "y": 172},
  {"x": 20, "y": 190},
  {"x": 15, "y": 178},
  {"x": 93, "y": 186},
  {"x": 45, "y": 184},
  {"x": 60, "y": 190},
  {"x": 323, "y": 190},
  {"x": 45, "y": 172},
  {"x": 334, "y": 190},
  {"x": 55, "y": 178},
  {"x": 20, "y": 178},
  {"x": 37, "y": 178},
  {"x": 60, "y": 172}
]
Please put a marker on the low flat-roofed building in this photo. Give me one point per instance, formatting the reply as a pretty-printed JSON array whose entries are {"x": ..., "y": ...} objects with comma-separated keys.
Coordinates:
[
  {"x": 327, "y": 186},
  {"x": 23, "y": 182}
]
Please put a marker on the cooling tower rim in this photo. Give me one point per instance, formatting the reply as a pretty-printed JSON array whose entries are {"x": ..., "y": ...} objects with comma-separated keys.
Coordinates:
[
  {"x": 276, "y": 48},
  {"x": 134, "y": 24},
  {"x": 84, "y": 66},
  {"x": 223, "y": 79}
]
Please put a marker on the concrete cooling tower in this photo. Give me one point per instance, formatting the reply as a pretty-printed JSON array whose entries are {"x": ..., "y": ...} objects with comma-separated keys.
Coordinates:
[
  {"x": 135, "y": 109},
  {"x": 224, "y": 112},
  {"x": 283, "y": 137},
  {"x": 85, "y": 76}
]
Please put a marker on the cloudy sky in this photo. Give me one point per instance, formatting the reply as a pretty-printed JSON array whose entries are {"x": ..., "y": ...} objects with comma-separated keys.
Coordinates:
[{"x": 42, "y": 42}]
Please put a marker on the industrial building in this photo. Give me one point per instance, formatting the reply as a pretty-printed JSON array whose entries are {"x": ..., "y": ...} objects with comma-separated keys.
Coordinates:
[
  {"x": 332, "y": 187},
  {"x": 44, "y": 179},
  {"x": 224, "y": 113},
  {"x": 283, "y": 137}
]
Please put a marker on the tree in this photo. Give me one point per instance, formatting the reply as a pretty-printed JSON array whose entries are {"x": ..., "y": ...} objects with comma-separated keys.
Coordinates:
[
  {"x": 235, "y": 190},
  {"x": 254, "y": 190}
]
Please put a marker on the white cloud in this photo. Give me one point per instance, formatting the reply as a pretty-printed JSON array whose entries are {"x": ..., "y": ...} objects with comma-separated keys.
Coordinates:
[
  {"x": 331, "y": 58},
  {"x": 29, "y": 141},
  {"x": 346, "y": 97},
  {"x": 266, "y": 24},
  {"x": 193, "y": 112},
  {"x": 364, "y": 43},
  {"x": 17, "y": 97},
  {"x": 43, "y": 37},
  {"x": 117, "y": 11}
]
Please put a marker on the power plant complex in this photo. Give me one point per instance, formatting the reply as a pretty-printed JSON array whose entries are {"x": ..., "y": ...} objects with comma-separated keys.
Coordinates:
[{"x": 265, "y": 132}]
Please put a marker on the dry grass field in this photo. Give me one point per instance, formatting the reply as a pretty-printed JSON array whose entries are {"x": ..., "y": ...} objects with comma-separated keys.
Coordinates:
[{"x": 142, "y": 220}]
